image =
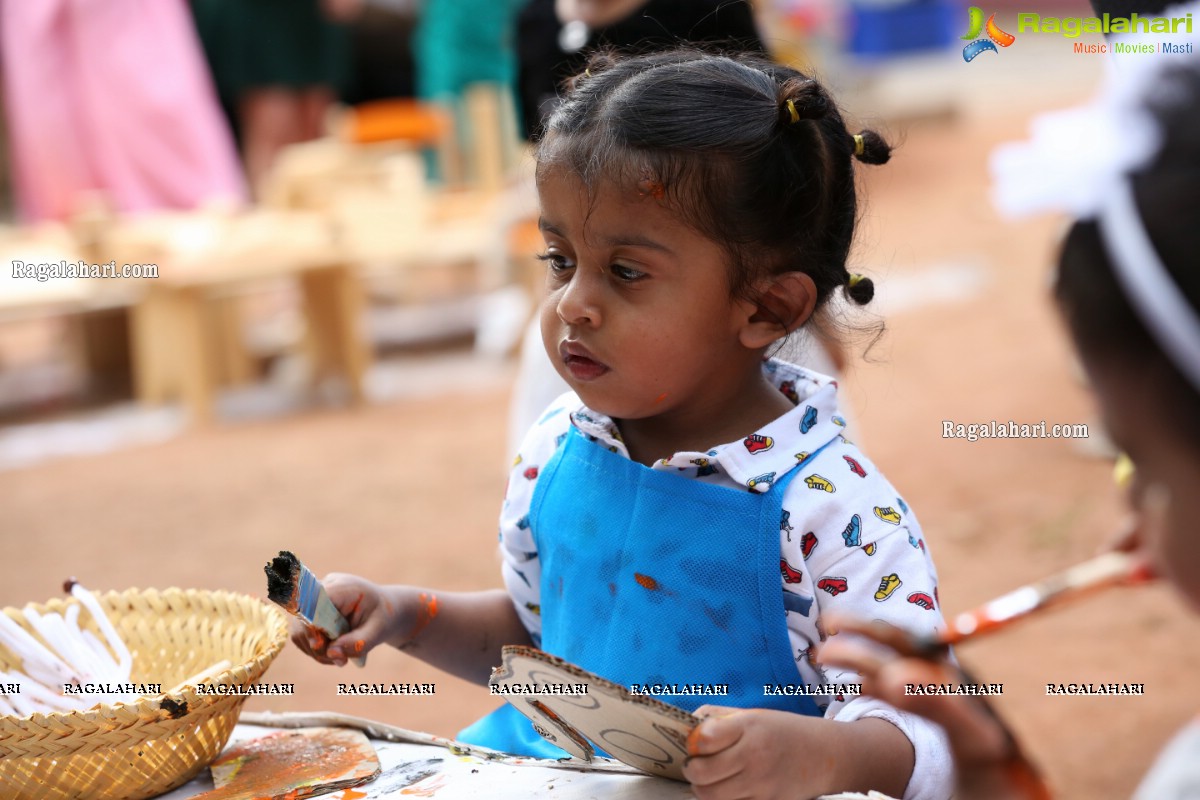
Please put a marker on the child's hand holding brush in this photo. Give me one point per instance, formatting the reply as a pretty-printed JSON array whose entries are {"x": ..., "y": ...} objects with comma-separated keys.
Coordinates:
[
  {"x": 345, "y": 616},
  {"x": 988, "y": 761},
  {"x": 393, "y": 615}
]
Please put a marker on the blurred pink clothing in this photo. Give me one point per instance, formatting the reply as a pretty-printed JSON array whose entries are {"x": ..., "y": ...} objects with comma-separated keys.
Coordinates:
[{"x": 112, "y": 95}]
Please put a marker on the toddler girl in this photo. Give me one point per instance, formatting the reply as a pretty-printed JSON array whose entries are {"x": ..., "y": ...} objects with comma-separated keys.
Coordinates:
[{"x": 691, "y": 510}]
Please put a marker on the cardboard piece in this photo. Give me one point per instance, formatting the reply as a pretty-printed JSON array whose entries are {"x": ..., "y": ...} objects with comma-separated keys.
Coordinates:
[
  {"x": 292, "y": 765},
  {"x": 637, "y": 730}
]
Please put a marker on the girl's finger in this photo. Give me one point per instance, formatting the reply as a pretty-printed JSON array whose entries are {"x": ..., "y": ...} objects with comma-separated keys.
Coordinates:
[
  {"x": 708, "y": 710},
  {"x": 713, "y": 776},
  {"x": 351, "y": 645},
  {"x": 716, "y": 734},
  {"x": 851, "y": 656},
  {"x": 896, "y": 638}
]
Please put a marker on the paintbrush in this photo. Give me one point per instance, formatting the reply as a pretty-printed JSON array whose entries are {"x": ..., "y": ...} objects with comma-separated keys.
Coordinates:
[
  {"x": 298, "y": 592},
  {"x": 1109, "y": 569}
]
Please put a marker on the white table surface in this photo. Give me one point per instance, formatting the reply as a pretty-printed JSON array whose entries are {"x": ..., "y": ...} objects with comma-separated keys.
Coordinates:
[{"x": 424, "y": 770}]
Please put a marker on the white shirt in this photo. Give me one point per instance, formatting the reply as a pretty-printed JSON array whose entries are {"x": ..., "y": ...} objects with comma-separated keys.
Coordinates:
[{"x": 847, "y": 540}]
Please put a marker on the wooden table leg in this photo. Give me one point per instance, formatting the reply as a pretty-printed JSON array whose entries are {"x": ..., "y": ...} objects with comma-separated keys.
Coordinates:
[
  {"x": 148, "y": 332},
  {"x": 172, "y": 351},
  {"x": 193, "y": 346},
  {"x": 333, "y": 304},
  {"x": 104, "y": 335},
  {"x": 233, "y": 365}
]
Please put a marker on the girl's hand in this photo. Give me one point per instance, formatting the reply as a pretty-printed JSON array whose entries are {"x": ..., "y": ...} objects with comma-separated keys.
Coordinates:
[
  {"x": 776, "y": 755},
  {"x": 458, "y": 632},
  {"x": 987, "y": 759},
  {"x": 377, "y": 615},
  {"x": 750, "y": 753}
]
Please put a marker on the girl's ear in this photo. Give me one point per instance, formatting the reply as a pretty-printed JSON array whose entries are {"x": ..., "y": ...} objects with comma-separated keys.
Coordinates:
[{"x": 784, "y": 303}]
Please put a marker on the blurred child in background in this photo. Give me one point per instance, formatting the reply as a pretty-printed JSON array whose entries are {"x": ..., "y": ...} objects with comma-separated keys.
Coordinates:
[
  {"x": 278, "y": 65},
  {"x": 111, "y": 98}
]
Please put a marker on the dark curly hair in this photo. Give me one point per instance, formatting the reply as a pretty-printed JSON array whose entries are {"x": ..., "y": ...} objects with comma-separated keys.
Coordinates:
[{"x": 753, "y": 155}]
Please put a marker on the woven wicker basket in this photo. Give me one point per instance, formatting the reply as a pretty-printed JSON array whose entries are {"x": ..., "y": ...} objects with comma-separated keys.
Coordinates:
[{"x": 139, "y": 750}]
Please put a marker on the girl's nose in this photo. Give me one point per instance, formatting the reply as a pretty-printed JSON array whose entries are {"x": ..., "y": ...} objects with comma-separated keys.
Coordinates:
[{"x": 577, "y": 305}]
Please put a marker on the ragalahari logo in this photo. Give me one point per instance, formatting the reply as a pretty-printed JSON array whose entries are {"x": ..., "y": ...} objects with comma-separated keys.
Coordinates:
[{"x": 995, "y": 36}]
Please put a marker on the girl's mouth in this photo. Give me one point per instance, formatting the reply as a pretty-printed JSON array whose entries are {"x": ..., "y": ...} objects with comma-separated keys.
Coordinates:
[{"x": 580, "y": 362}]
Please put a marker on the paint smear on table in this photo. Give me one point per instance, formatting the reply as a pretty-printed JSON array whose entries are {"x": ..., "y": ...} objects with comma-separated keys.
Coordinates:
[
  {"x": 429, "y": 789},
  {"x": 293, "y": 765}
]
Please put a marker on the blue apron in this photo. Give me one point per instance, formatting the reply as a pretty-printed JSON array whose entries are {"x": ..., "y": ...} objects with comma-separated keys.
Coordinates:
[{"x": 649, "y": 577}]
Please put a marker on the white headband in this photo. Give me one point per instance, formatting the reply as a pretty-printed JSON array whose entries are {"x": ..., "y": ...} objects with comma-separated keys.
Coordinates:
[
  {"x": 1151, "y": 290},
  {"x": 1080, "y": 161}
]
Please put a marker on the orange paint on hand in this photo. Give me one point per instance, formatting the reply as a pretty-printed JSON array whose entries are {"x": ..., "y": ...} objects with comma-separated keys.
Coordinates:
[
  {"x": 425, "y": 615},
  {"x": 646, "y": 582},
  {"x": 693, "y": 741},
  {"x": 353, "y": 609},
  {"x": 318, "y": 639},
  {"x": 660, "y": 398},
  {"x": 359, "y": 645}
]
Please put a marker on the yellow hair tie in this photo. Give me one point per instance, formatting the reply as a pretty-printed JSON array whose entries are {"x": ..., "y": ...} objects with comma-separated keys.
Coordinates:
[
  {"x": 791, "y": 107},
  {"x": 855, "y": 279},
  {"x": 859, "y": 144}
]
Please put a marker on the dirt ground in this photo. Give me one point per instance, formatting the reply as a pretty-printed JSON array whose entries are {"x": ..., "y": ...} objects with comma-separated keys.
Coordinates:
[{"x": 409, "y": 492}]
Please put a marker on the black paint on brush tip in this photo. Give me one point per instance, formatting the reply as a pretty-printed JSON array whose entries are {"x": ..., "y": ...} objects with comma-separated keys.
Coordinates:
[
  {"x": 174, "y": 708},
  {"x": 282, "y": 573}
]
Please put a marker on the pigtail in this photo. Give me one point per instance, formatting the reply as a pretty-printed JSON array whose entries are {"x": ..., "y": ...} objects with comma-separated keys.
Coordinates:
[
  {"x": 859, "y": 288},
  {"x": 598, "y": 62},
  {"x": 870, "y": 148},
  {"x": 802, "y": 99},
  {"x": 677, "y": 124}
]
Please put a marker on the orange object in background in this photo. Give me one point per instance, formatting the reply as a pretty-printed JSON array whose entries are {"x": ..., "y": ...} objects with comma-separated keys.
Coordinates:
[{"x": 403, "y": 119}]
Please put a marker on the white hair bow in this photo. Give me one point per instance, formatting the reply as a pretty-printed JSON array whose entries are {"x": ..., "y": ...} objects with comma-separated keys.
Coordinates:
[{"x": 1079, "y": 161}]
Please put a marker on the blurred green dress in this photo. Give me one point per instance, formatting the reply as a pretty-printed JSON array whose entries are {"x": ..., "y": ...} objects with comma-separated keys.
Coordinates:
[
  {"x": 460, "y": 42},
  {"x": 252, "y": 44}
]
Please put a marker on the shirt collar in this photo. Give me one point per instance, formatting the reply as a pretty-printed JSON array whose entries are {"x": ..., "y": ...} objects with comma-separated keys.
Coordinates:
[{"x": 766, "y": 455}]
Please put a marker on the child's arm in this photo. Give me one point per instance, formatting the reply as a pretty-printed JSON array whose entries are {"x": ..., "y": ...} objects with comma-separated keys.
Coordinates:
[
  {"x": 459, "y": 632},
  {"x": 988, "y": 762},
  {"x": 758, "y": 753},
  {"x": 861, "y": 552}
]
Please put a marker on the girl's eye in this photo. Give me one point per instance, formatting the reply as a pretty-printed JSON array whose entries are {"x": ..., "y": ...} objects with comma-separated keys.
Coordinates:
[
  {"x": 626, "y": 274},
  {"x": 557, "y": 261}
]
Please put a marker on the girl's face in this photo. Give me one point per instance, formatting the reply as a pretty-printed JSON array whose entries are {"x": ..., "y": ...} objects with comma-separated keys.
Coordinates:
[
  {"x": 1164, "y": 458},
  {"x": 638, "y": 318}
]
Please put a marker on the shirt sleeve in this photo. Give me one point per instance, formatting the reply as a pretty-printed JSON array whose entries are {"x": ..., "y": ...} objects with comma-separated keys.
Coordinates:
[
  {"x": 520, "y": 566},
  {"x": 894, "y": 584},
  {"x": 933, "y": 766},
  {"x": 861, "y": 551}
]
